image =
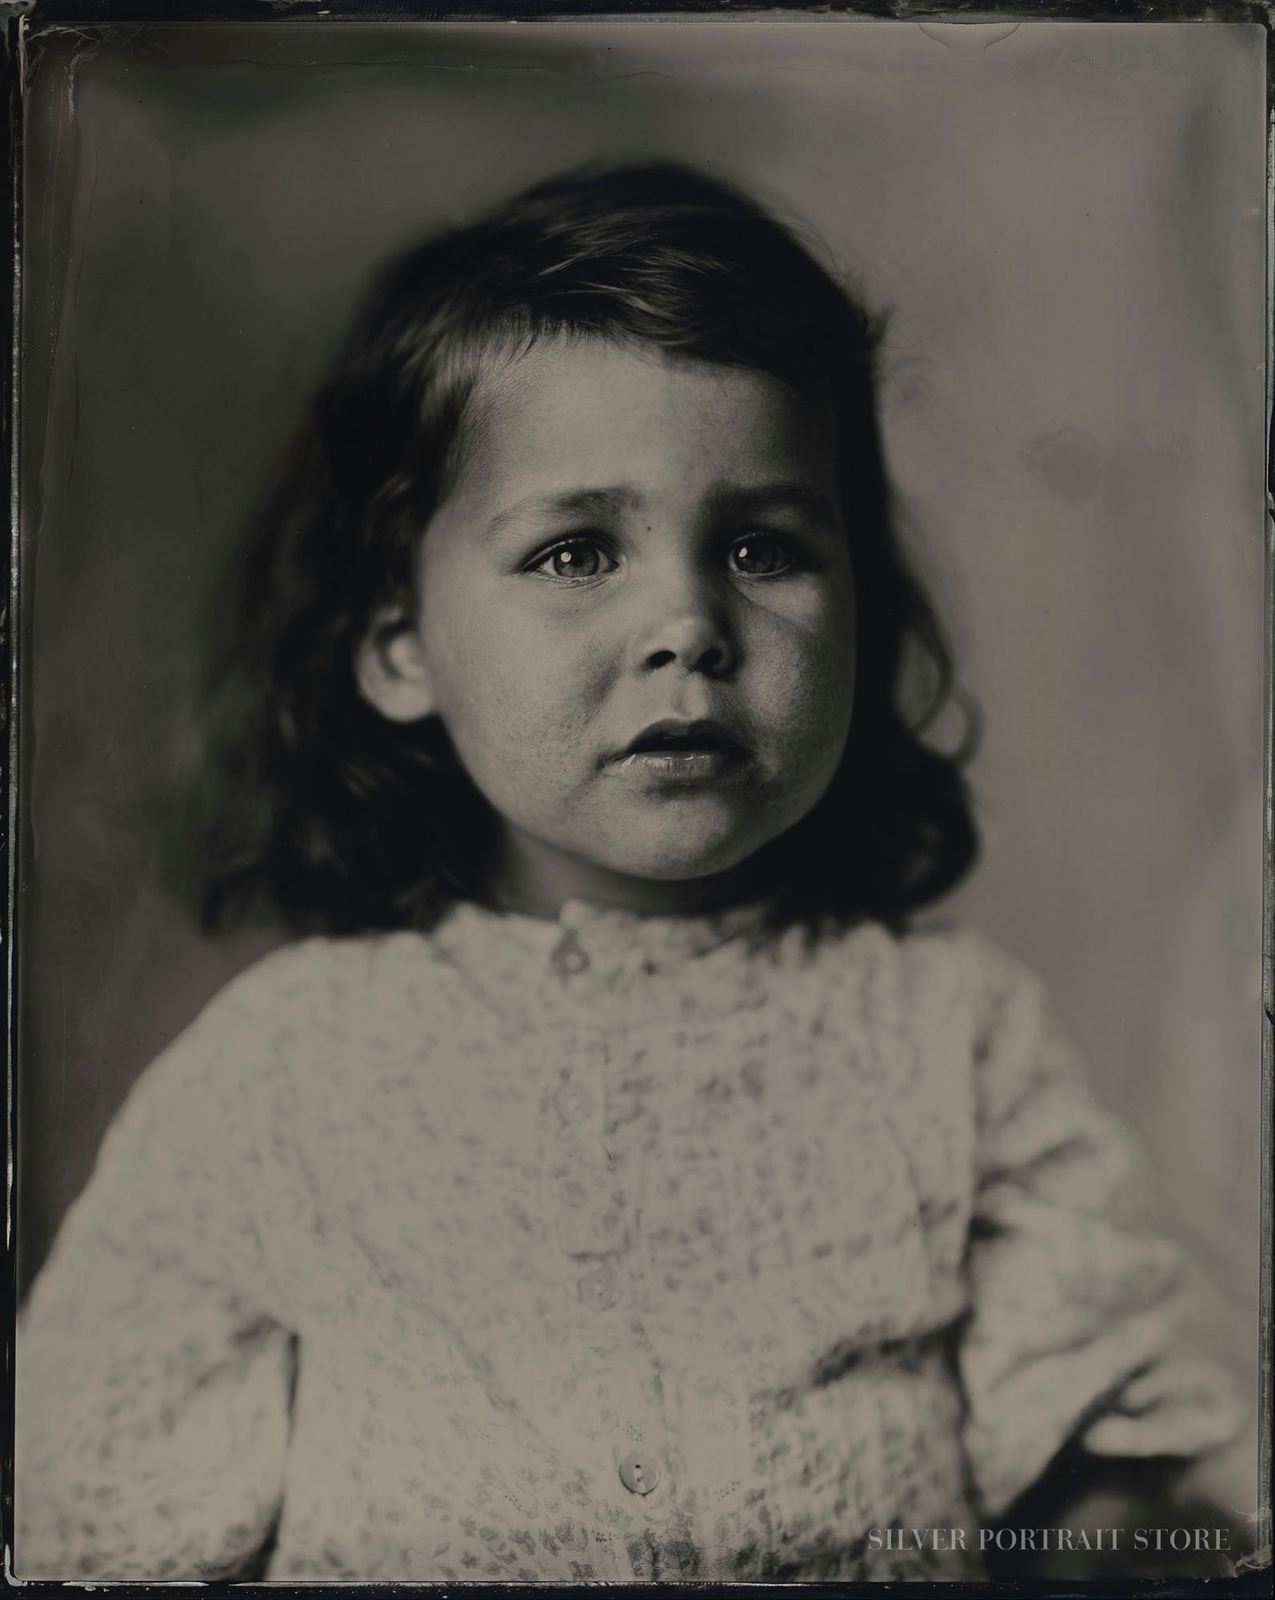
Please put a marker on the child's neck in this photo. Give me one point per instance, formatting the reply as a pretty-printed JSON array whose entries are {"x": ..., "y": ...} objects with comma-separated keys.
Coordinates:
[{"x": 537, "y": 880}]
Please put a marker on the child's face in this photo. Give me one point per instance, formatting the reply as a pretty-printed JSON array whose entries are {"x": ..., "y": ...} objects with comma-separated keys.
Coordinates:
[{"x": 636, "y": 622}]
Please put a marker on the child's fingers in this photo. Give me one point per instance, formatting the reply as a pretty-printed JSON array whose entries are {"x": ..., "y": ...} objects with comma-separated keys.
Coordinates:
[
  {"x": 1181, "y": 1407},
  {"x": 1180, "y": 1381},
  {"x": 1174, "y": 1433}
]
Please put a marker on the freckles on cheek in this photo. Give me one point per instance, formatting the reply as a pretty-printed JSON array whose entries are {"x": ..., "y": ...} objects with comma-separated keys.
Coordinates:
[
  {"x": 556, "y": 678},
  {"x": 525, "y": 725}
]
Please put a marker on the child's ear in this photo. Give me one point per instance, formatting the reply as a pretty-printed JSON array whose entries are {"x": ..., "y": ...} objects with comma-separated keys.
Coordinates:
[{"x": 391, "y": 671}]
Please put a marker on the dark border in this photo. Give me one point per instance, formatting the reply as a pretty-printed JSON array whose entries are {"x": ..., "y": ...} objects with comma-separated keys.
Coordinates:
[
  {"x": 11, "y": 63},
  {"x": 51, "y": 13},
  {"x": 25, "y": 23}
]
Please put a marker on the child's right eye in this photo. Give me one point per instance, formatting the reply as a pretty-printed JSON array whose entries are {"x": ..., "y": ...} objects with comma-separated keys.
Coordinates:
[{"x": 574, "y": 560}]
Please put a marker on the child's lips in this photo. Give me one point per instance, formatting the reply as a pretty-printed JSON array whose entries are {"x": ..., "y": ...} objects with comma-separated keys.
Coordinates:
[
  {"x": 673, "y": 751},
  {"x": 680, "y": 766}
]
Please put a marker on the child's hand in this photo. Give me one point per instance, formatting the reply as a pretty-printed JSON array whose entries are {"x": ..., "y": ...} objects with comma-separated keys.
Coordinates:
[
  {"x": 1187, "y": 1408},
  {"x": 1179, "y": 1407}
]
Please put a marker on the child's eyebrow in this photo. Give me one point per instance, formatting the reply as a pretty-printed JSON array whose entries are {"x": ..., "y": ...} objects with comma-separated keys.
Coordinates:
[
  {"x": 732, "y": 501},
  {"x": 726, "y": 502},
  {"x": 575, "y": 503}
]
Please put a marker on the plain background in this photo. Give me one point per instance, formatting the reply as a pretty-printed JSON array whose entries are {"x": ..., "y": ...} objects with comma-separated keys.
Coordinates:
[{"x": 1067, "y": 223}]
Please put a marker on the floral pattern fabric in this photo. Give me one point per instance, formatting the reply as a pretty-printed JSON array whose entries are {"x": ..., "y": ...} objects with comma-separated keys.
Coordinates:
[{"x": 609, "y": 1248}]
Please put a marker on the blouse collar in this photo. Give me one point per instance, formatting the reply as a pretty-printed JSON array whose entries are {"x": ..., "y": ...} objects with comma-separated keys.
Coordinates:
[{"x": 589, "y": 945}]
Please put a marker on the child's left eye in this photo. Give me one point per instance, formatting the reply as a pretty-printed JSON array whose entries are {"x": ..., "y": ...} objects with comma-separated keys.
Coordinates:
[
  {"x": 574, "y": 560},
  {"x": 763, "y": 555}
]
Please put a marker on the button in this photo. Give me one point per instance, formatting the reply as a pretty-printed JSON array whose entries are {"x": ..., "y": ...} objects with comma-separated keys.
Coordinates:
[
  {"x": 568, "y": 956},
  {"x": 600, "y": 1287},
  {"x": 574, "y": 1102},
  {"x": 639, "y": 1472}
]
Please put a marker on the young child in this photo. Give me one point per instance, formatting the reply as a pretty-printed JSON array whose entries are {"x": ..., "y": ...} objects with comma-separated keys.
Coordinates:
[{"x": 610, "y": 1186}]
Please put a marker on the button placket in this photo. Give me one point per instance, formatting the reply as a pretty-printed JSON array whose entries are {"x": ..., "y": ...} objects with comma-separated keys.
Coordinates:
[
  {"x": 581, "y": 1163},
  {"x": 574, "y": 1102},
  {"x": 595, "y": 1226},
  {"x": 578, "y": 1198},
  {"x": 584, "y": 1204},
  {"x": 600, "y": 1286}
]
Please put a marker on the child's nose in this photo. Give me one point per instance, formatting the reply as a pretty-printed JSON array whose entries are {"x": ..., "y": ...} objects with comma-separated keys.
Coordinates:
[{"x": 693, "y": 637}]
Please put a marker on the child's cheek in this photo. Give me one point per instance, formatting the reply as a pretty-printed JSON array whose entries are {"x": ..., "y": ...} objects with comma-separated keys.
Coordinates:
[
  {"x": 802, "y": 669},
  {"x": 522, "y": 716}
]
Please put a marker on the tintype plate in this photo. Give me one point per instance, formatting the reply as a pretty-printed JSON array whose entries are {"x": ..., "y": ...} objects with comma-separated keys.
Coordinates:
[{"x": 1065, "y": 225}]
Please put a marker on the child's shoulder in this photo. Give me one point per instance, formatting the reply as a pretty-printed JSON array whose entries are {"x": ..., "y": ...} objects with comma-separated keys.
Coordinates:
[
  {"x": 278, "y": 1031},
  {"x": 931, "y": 959},
  {"x": 312, "y": 971},
  {"x": 965, "y": 955},
  {"x": 293, "y": 1004},
  {"x": 319, "y": 983}
]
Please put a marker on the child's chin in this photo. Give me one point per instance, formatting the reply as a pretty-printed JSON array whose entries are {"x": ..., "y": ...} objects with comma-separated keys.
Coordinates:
[{"x": 682, "y": 856}]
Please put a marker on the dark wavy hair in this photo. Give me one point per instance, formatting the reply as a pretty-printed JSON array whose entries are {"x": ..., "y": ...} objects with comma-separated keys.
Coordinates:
[{"x": 344, "y": 821}]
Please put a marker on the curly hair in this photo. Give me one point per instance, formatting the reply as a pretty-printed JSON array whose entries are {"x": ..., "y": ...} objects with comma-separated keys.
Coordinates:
[{"x": 343, "y": 821}]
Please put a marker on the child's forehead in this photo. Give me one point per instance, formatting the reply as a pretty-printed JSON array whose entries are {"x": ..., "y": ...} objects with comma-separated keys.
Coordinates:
[
  {"x": 579, "y": 355},
  {"x": 576, "y": 396},
  {"x": 587, "y": 431}
]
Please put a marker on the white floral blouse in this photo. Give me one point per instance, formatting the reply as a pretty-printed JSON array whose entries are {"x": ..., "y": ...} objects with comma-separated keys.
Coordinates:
[{"x": 609, "y": 1248}]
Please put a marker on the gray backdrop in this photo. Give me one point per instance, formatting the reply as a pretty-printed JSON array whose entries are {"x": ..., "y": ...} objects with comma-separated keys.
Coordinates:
[{"x": 1068, "y": 223}]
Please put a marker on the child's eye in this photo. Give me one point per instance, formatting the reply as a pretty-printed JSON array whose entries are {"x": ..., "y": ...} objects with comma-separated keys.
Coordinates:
[
  {"x": 763, "y": 555},
  {"x": 574, "y": 560}
]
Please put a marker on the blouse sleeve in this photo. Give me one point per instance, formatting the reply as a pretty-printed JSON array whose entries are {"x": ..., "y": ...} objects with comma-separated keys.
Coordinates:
[
  {"x": 153, "y": 1372},
  {"x": 1075, "y": 1301}
]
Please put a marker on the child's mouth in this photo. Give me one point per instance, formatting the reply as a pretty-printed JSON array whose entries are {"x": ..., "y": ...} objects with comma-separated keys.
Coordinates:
[{"x": 682, "y": 752}]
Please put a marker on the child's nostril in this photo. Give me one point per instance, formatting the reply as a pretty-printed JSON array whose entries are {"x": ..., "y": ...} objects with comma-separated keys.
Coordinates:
[{"x": 711, "y": 660}]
